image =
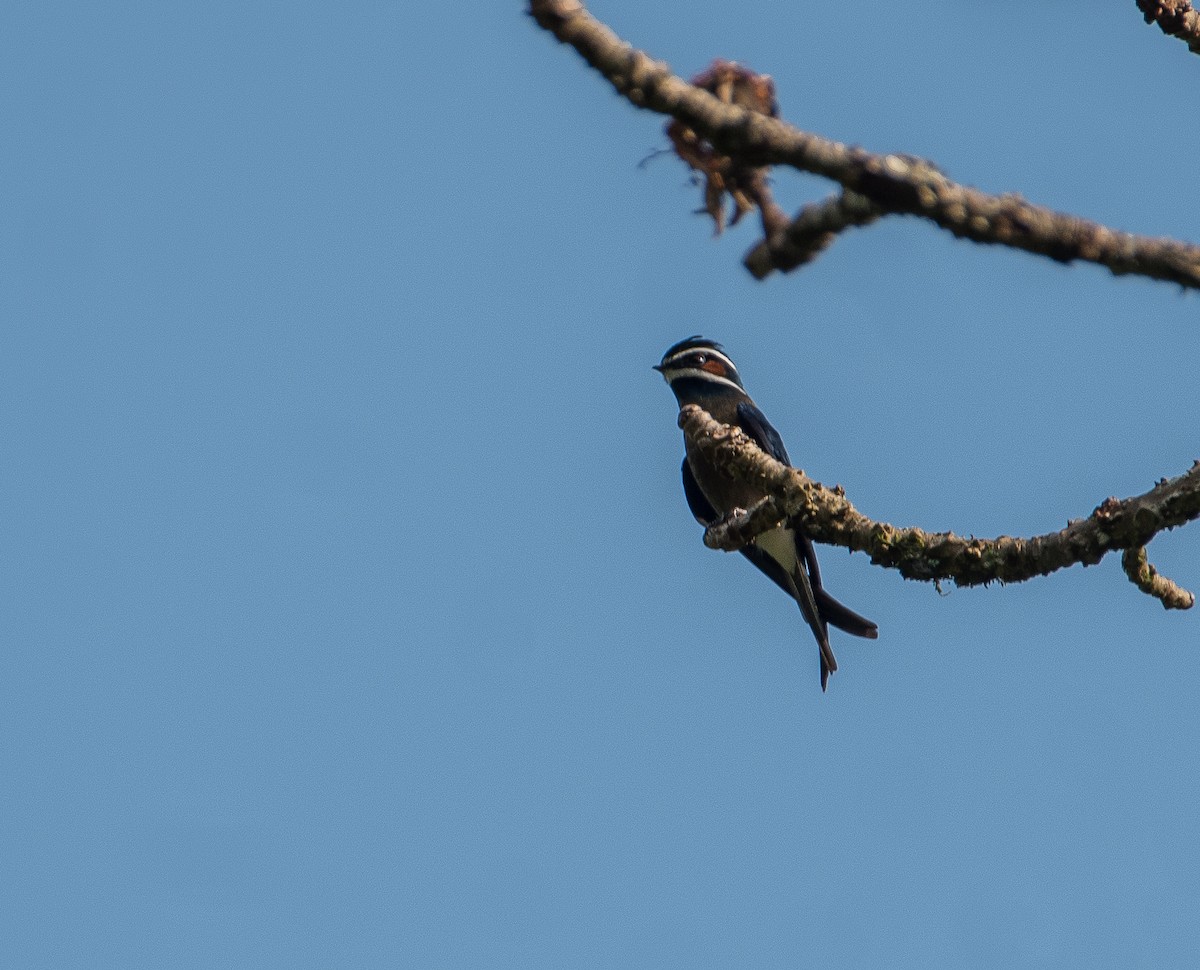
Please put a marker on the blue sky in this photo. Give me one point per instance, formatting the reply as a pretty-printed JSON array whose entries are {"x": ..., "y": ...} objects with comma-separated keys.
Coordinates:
[{"x": 354, "y": 613}]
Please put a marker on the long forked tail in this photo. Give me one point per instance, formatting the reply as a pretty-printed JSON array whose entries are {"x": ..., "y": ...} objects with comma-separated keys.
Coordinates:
[
  {"x": 828, "y": 663},
  {"x": 803, "y": 591},
  {"x": 844, "y": 618}
]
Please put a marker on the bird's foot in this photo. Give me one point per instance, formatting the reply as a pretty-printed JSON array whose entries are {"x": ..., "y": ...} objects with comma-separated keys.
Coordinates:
[
  {"x": 734, "y": 515},
  {"x": 737, "y": 527}
]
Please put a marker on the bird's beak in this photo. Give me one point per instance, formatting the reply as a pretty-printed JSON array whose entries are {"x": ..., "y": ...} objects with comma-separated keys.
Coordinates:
[{"x": 657, "y": 367}]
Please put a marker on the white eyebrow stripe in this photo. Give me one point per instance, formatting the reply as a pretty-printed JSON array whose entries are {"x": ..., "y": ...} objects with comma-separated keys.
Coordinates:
[
  {"x": 708, "y": 351},
  {"x": 671, "y": 373}
]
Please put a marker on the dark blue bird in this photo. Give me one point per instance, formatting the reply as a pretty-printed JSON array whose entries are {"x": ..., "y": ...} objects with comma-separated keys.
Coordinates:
[{"x": 700, "y": 372}]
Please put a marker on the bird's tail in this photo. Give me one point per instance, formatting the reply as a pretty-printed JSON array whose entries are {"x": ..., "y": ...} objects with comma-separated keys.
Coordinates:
[
  {"x": 828, "y": 661},
  {"x": 844, "y": 618},
  {"x": 805, "y": 598}
]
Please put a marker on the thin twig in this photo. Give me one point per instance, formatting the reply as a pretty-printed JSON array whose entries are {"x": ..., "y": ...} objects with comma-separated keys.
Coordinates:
[{"x": 810, "y": 233}]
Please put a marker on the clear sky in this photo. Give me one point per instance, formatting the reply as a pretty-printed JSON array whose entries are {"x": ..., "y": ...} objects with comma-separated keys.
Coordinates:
[{"x": 353, "y": 613}]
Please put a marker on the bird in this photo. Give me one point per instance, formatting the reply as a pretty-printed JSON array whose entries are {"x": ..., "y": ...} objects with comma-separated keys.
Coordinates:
[{"x": 700, "y": 372}]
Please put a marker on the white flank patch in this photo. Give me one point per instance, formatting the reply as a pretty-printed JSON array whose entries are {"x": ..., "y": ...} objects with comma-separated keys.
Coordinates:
[{"x": 780, "y": 545}]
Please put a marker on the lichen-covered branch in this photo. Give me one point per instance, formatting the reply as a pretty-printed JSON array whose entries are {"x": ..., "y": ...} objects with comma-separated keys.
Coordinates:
[
  {"x": 895, "y": 183},
  {"x": 1177, "y": 18},
  {"x": 826, "y": 515}
]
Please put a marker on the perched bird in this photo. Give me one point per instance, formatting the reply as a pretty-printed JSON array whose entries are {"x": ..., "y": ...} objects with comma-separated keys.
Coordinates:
[{"x": 700, "y": 372}]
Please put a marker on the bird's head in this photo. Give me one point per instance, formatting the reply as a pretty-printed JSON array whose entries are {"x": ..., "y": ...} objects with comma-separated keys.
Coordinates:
[{"x": 698, "y": 368}]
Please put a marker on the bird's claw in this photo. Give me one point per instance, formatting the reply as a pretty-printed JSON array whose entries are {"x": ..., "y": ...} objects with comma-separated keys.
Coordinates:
[{"x": 735, "y": 514}]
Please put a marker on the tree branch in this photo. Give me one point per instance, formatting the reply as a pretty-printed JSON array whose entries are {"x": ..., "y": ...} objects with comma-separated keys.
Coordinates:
[
  {"x": 1177, "y": 18},
  {"x": 826, "y": 515},
  {"x": 1148, "y": 579},
  {"x": 894, "y": 183},
  {"x": 813, "y": 231}
]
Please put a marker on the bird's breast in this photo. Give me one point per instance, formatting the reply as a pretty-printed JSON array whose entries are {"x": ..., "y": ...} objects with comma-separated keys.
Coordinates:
[{"x": 722, "y": 492}]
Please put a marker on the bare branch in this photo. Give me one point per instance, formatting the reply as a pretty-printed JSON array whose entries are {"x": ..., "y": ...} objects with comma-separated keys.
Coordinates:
[
  {"x": 894, "y": 183},
  {"x": 1177, "y": 18},
  {"x": 1148, "y": 579},
  {"x": 813, "y": 231},
  {"x": 827, "y": 516}
]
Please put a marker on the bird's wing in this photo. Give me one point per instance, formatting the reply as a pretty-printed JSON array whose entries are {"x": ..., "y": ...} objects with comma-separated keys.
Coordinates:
[
  {"x": 701, "y": 507},
  {"x": 706, "y": 515},
  {"x": 844, "y": 618},
  {"x": 817, "y": 606},
  {"x": 808, "y": 555},
  {"x": 832, "y": 612},
  {"x": 755, "y": 424},
  {"x": 805, "y": 594},
  {"x": 810, "y": 599}
]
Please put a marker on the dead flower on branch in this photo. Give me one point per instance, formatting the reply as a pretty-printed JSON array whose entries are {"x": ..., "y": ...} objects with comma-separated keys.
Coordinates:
[
  {"x": 723, "y": 174},
  {"x": 731, "y": 143}
]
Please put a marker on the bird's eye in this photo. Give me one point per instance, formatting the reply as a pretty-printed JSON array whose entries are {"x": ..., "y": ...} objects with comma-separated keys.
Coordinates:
[{"x": 702, "y": 359}]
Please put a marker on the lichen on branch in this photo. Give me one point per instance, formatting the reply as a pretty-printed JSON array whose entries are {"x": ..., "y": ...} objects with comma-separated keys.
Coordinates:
[{"x": 826, "y": 515}]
